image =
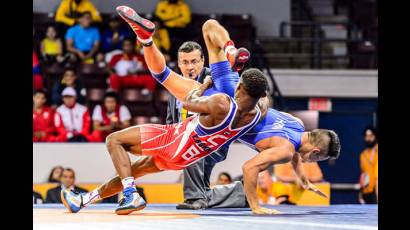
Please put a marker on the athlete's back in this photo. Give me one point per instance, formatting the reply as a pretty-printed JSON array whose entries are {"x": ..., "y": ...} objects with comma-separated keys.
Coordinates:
[{"x": 275, "y": 123}]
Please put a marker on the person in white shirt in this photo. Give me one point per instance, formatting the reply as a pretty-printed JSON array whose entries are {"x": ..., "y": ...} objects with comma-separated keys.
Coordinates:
[
  {"x": 75, "y": 117},
  {"x": 110, "y": 116}
]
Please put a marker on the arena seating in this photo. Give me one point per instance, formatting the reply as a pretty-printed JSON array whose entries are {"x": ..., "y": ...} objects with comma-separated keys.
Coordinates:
[{"x": 151, "y": 107}]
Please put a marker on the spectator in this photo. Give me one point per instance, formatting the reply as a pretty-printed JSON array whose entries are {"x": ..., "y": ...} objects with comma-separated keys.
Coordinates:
[
  {"x": 268, "y": 195},
  {"x": 109, "y": 117},
  {"x": 161, "y": 38},
  {"x": 113, "y": 37},
  {"x": 51, "y": 47},
  {"x": 129, "y": 69},
  {"x": 67, "y": 182},
  {"x": 224, "y": 178},
  {"x": 75, "y": 118},
  {"x": 285, "y": 173},
  {"x": 69, "y": 11},
  {"x": 175, "y": 16},
  {"x": 83, "y": 40},
  {"x": 69, "y": 79},
  {"x": 173, "y": 13},
  {"x": 37, "y": 198},
  {"x": 369, "y": 167},
  {"x": 43, "y": 119},
  {"x": 37, "y": 78},
  {"x": 55, "y": 174}
]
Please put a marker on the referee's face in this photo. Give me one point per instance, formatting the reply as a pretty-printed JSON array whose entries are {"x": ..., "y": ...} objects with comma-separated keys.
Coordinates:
[{"x": 190, "y": 64}]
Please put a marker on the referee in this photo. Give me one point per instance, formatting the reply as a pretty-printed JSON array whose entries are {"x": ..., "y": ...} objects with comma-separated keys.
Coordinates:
[{"x": 197, "y": 193}]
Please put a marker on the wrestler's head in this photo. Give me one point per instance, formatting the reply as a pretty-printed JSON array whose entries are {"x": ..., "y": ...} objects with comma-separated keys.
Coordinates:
[
  {"x": 252, "y": 83},
  {"x": 190, "y": 59},
  {"x": 321, "y": 144}
]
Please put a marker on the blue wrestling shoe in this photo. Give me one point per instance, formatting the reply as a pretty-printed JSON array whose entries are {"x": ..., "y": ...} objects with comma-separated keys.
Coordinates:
[
  {"x": 131, "y": 202},
  {"x": 72, "y": 200}
]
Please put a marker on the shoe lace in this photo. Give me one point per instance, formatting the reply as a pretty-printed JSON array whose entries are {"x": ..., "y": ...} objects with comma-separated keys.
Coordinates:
[{"x": 127, "y": 195}]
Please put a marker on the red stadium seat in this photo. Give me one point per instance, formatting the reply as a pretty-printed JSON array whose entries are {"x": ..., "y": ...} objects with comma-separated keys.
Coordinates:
[
  {"x": 135, "y": 95},
  {"x": 95, "y": 94},
  {"x": 139, "y": 120}
]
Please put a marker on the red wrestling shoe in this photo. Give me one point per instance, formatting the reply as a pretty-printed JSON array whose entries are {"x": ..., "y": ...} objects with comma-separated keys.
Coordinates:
[
  {"x": 238, "y": 58},
  {"x": 142, "y": 27}
]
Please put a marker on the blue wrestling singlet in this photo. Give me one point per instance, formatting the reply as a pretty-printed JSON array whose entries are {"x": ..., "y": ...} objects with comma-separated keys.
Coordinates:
[{"x": 275, "y": 123}]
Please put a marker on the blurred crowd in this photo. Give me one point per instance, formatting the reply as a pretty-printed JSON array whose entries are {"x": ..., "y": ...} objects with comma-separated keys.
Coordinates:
[{"x": 79, "y": 37}]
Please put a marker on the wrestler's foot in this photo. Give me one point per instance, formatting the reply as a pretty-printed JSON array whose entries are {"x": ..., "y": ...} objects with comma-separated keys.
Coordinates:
[
  {"x": 131, "y": 202},
  {"x": 142, "y": 27},
  {"x": 72, "y": 200},
  {"x": 238, "y": 58}
]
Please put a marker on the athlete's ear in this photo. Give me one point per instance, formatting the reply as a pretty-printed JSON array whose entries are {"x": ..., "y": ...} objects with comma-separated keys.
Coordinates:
[
  {"x": 315, "y": 150},
  {"x": 239, "y": 86},
  {"x": 264, "y": 94}
]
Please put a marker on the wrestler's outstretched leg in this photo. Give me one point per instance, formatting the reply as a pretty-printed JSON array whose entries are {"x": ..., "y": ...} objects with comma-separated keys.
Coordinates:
[
  {"x": 221, "y": 47},
  {"x": 118, "y": 143},
  {"x": 222, "y": 56},
  {"x": 144, "y": 165},
  {"x": 144, "y": 29}
]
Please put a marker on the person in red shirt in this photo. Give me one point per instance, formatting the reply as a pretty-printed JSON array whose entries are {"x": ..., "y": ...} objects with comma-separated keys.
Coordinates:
[
  {"x": 75, "y": 118},
  {"x": 44, "y": 117},
  {"x": 128, "y": 69},
  {"x": 109, "y": 117}
]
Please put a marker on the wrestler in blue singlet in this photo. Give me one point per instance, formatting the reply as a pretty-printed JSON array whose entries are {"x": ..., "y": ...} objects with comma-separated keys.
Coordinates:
[{"x": 274, "y": 123}]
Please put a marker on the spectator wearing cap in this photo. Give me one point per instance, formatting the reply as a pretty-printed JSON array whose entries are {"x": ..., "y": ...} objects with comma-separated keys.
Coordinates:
[
  {"x": 110, "y": 116},
  {"x": 114, "y": 35},
  {"x": 369, "y": 168},
  {"x": 69, "y": 79},
  {"x": 75, "y": 118}
]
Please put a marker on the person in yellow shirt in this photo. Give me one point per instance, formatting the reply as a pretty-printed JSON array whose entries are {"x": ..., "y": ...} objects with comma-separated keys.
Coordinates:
[
  {"x": 51, "y": 46},
  {"x": 284, "y": 172},
  {"x": 369, "y": 168},
  {"x": 173, "y": 13},
  {"x": 68, "y": 11},
  {"x": 175, "y": 17},
  {"x": 269, "y": 193}
]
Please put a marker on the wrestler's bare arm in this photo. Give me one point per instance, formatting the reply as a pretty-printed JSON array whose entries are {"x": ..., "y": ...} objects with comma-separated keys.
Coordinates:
[
  {"x": 305, "y": 183},
  {"x": 257, "y": 164},
  {"x": 215, "y": 104},
  {"x": 197, "y": 103},
  {"x": 298, "y": 168}
]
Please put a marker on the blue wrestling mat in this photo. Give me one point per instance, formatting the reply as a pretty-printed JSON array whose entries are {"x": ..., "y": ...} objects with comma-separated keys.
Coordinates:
[{"x": 165, "y": 216}]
